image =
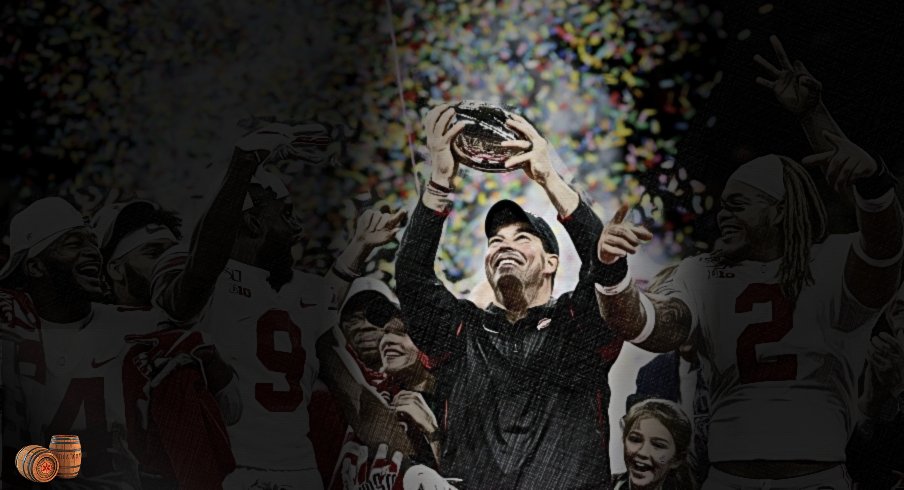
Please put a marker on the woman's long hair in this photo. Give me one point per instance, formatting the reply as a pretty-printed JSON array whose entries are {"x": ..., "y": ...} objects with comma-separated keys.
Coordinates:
[{"x": 670, "y": 415}]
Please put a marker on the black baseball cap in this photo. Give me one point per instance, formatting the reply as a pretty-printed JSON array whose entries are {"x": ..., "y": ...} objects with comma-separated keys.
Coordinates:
[{"x": 506, "y": 212}]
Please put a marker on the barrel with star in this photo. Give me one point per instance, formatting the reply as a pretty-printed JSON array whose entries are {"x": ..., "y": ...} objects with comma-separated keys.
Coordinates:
[
  {"x": 68, "y": 450},
  {"x": 37, "y": 463}
]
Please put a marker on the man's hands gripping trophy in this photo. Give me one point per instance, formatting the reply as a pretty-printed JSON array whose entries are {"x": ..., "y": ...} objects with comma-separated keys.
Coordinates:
[
  {"x": 275, "y": 142},
  {"x": 439, "y": 144}
]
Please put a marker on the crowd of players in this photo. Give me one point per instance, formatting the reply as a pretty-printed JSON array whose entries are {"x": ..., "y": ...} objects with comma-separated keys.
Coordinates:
[{"x": 205, "y": 360}]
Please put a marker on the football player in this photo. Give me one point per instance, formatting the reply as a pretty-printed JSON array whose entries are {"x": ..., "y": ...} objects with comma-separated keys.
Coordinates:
[
  {"x": 179, "y": 392},
  {"x": 276, "y": 327},
  {"x": 64, "y": 375},
  {"x": 784, "y": 312}
]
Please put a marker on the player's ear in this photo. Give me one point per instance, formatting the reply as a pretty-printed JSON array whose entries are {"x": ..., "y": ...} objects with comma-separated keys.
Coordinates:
[
  {"x": 779, "y": 213},
  {"x": 551, "y": 264},
  {"x": 35, "y": 267},
  {"x": 253, "y": 225},
  {"x": 114, "y": 270}
]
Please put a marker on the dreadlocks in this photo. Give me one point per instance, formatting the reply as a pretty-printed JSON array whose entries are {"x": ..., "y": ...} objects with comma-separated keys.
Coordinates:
[{"x": 803, "y": 224}]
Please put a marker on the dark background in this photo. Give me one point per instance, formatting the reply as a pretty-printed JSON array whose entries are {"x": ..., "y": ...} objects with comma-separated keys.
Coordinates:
[{"x": 66, "y": 69}]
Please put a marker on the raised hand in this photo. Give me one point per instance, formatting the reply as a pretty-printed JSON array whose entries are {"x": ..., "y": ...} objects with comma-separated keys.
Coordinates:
[
  {"x": 795, "y": 88},
  {"x": 843, "y": 165},
  {"x": 267, "y": 138},
  {"x": 537, "y": 160},
  {"x": 439, "y": 143},
  {"x": 620, "y": 239},
  {"x": 375, "y": 228},
  {"x": 275, "y": 142}
]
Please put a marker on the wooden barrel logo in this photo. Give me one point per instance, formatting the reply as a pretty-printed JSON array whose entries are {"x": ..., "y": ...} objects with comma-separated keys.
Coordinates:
[
  {"x": 37, "y": 464},
  {"x": 68, "y": 451}
]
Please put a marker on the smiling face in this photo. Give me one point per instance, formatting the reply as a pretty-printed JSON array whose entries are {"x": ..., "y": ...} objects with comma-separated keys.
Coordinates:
[
  {"x": 363, "y": 336},
  {"x": 650, "y": 453},
  {"x": 132, "y": 271},
  {"x": 397, "y": 352},
  {"x": 515, "y": 251},
  {"x": 71, "y": 264},
  {"x": 749, "y": 220},
  {"x": 273, "y": 228}
]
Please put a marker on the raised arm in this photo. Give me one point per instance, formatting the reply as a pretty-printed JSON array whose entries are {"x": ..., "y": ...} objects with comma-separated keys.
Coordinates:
[
  {"x": 799, "y": 93},
  {"x": 538, "y": 167},
  {"x": 872, "y": 271},
  {"x": 184, "y": 295},
  {"x": 372, "y": 229},
  {"x": 654, "y": 322},
  {"x": 431, "y": 312}
]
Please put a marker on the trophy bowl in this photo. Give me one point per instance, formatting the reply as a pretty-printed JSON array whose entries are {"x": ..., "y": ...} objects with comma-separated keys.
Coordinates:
[{"x": 478, "y": 145}]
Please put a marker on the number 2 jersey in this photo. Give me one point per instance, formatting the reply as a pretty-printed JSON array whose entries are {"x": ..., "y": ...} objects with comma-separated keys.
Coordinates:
[
  {"x": 269, "y": 338},
  {"x": 782, "y": 375}
]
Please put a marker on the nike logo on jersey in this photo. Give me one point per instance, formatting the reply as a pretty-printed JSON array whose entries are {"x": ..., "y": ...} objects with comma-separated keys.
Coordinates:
[{"x": 95, "y": 364}]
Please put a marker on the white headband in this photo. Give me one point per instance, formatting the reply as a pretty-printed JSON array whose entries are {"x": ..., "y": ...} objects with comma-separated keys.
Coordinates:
[
  {"x": 140, "y": 237},
  {"x": 766, "y": 173}
]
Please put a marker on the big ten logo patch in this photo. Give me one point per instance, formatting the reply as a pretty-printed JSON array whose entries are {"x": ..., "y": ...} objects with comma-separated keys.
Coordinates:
[
  {"x": 720, "y": 273},
  {"x": 236, "y": 289}
]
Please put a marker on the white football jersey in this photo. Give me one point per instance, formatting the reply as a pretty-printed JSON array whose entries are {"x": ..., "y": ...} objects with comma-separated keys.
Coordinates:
[
  {"x": 782, "y": 377},
  {"x": 269, "y": 338},
  {"x": 69, "y": 381}
]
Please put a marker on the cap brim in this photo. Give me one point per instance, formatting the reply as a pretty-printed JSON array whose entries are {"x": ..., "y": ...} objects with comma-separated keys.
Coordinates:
[
  {"x": 369, "y": 285},
  {"x": 104, "y": 226}
]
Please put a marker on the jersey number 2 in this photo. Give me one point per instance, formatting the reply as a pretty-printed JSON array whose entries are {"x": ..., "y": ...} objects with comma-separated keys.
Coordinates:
[
  {"x": 289, "y": 363},
  {"x": 778, "y": 368}
]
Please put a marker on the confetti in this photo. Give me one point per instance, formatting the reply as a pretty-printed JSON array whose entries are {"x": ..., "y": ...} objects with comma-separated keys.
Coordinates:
[{"x": 142, "y": 100}]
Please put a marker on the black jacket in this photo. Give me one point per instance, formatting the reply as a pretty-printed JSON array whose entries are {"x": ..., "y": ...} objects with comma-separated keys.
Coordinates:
[{"x": 526, "y": 403}]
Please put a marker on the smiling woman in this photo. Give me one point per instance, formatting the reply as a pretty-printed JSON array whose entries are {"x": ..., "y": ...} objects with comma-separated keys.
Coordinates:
[{"x": 657, "y": 436}]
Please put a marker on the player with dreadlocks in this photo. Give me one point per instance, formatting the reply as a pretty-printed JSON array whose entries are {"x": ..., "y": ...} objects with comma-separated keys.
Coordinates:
[{"x": 784, "y": 311}]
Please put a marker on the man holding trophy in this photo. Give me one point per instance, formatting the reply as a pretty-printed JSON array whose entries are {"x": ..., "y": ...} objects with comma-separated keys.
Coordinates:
[{"x": 524, "y": 379}]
